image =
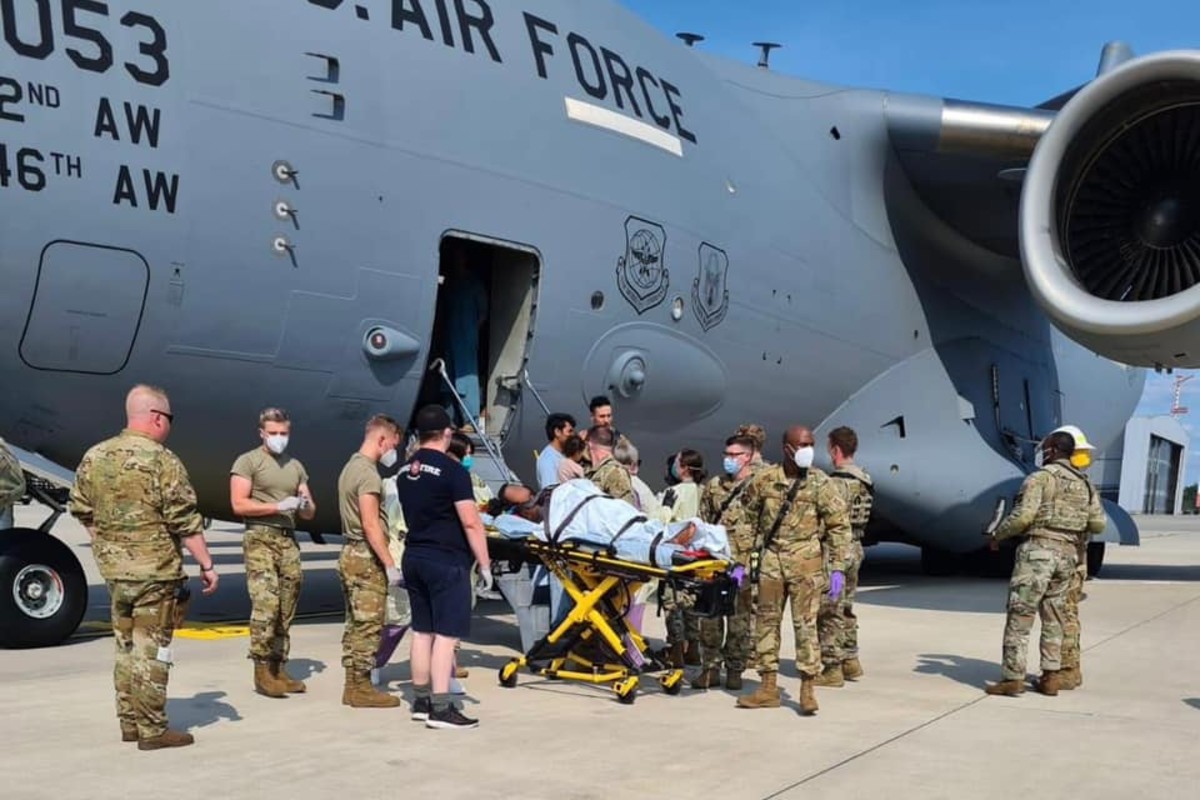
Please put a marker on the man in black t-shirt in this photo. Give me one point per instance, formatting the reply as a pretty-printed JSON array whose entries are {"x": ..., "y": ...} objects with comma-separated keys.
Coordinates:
[{"x": 445, "y": 534}]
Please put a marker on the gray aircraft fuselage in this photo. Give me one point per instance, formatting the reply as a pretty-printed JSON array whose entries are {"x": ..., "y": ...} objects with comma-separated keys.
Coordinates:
[{"x": 223, "y": 199}]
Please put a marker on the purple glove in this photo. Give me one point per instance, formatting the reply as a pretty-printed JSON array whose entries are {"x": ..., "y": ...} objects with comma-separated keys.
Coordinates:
[
  {"x": 738, "y": 574},
  {"x": 837, "y": 582}
]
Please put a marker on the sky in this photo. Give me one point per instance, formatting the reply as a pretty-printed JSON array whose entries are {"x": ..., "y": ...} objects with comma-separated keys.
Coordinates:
[{"x": 1018, "y": 52}]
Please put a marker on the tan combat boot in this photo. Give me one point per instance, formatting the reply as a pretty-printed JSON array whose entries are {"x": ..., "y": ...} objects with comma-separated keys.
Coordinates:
[
  {"x": 851, "y": 669},
  {"x": 808, "y": 697},
  {"x": 707, "y": 679},
  {"x": 128, "y": 732},
  {"x": 1048, "y": 683},
  {"x": 831, "y": 676},
  {"x": 359, "y": 693},
  {"x": 765, "y": 696},
  {"x": 264, "y": 682},
  {"x": 285, "y": 681},
  {"x": 733, "y": 679},
  {"x": 1006, "y": 688},
  {"x": 1069, "y": 678},
  {"x": 675, "y": 655},
  {"x": 167, "y": 739},
  {"x": 691, "y": 655}
]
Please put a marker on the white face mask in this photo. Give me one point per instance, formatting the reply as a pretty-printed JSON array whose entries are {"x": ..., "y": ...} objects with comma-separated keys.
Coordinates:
[
  {"x": 804, "y": 457},
  {"x": 388, "y": 459},
  {"x": 277, "y": 442}
]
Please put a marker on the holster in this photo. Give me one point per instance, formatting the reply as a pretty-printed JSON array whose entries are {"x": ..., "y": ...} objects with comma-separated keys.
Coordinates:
[{"x": 179, "y": 608}]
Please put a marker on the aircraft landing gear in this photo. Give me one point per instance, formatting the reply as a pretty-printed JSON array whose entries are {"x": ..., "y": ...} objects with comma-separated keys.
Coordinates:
[
  {"x": 939, "y": 563},
  {"x": 43, "y": 591},
  {"x": 1095, "y": 558}
]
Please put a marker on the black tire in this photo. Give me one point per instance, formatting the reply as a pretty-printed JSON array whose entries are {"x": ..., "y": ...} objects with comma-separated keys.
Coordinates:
[
  {"x": 32, "y": 557},
  {"x": 939, "y": 563},
  {"x": 1095, "y": 558}
]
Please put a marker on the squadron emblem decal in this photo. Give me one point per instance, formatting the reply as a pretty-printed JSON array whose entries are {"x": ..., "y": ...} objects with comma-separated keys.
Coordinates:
[
  {"x": 710, "y": 292},
  {"x": 642, "y": 273}
]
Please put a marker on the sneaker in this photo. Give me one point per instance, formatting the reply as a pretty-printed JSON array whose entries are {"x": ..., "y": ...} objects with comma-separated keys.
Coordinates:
[
  {"x": 421, "y": 707},
  {"x": 450, "y": 718},
  {"x": 456, "y": 687}
]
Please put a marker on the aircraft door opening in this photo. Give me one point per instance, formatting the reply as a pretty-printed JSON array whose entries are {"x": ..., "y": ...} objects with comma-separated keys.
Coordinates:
[{"x": 484, "y": 322}]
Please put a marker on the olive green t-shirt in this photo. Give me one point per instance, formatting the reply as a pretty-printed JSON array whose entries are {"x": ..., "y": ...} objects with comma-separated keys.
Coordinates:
[
  {"x": 272, "y": 478},
  {"x": 360, "y": 476}
]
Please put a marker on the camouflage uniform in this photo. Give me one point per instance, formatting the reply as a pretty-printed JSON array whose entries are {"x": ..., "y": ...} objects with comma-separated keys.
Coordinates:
[
  {"x": 613, "y": 479},
  {"x": 135, "y": 495},
  {"x": 1055, "y": 509},
  {"x": 274, "y": 573},
  {"x": 837, "y": 625},
  {"x": 1070, "y": 625},
  {"x": 12, "y": 485},
  {"x": 730, "y": 640},
  {"x": 364, "y": 581},
  {"x": 793, "y": 566}
]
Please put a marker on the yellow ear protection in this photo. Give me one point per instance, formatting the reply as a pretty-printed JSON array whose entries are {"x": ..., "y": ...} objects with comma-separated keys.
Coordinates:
[{"x": 1081, "y": 459}]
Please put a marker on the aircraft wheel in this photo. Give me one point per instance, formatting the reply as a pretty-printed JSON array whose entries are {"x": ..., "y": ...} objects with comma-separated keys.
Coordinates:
[
  {"x": 508, "y": 674},
  {"x": 43, "y": 591},
  {"x": 672, "y": 683},
  {"x": 940, "y": 563},
  {"x": 1095, "y": 558},
  {"x": 626, "y": 691}
]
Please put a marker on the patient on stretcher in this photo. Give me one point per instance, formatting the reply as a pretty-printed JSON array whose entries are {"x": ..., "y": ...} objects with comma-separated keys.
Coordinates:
[{"x": 578, "y": 512}]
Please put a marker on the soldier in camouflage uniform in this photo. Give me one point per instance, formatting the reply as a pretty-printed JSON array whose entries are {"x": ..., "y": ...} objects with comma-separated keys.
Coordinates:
[
  {"x": 1071, "y": 676},
  {"x": 133, "y": 496},
  {"x": 366, "y": 566},
  {"x": 12, "y": 485},
  {"x": 1056, "y": 508},
  {"x": 795, "y": 512},
  {"x": 269, "y": 489},
  {"x": 836, "y": 623},
  {"x": 729, "y": 640},
  {"x": 608, "y": 475}
]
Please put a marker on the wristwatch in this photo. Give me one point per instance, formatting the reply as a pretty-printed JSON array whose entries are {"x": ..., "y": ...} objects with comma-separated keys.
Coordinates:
[{"x": 209, "y": 568}]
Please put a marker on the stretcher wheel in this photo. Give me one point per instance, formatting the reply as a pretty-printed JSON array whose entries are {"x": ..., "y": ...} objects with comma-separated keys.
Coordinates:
[
  {"x": 626, "y": 691},
  {"x": 673, "y": 682},
  {"x": 508, "y": 674}
]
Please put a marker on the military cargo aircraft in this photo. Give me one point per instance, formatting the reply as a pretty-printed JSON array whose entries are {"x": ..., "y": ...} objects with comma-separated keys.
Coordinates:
[{"x": 252, "y": 204}]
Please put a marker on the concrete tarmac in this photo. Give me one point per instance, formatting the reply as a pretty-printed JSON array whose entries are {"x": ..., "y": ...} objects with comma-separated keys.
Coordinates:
[{"x": 916, "y": 726}]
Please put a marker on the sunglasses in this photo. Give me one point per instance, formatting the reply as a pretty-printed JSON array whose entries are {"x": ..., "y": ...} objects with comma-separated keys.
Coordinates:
[{"x": 170, "y": 417}]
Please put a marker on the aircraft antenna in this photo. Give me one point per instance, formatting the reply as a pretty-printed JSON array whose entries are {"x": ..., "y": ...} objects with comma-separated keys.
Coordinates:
[
  {"x": 764, "y": 59},
  {"x": 1177, "y": 410},
  {"x": 690, "y": 39}
]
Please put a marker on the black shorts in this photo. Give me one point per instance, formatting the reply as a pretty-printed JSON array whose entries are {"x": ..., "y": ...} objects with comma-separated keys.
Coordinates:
[{"x": 439, "y": 594}]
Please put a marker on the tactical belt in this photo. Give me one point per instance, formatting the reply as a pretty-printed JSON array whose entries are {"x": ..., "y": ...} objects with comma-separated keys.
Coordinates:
[{"x": 272, "y": 528}]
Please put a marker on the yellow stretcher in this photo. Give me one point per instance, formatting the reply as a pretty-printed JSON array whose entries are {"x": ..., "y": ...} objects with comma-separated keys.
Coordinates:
[{"x": 595, "y": 642}]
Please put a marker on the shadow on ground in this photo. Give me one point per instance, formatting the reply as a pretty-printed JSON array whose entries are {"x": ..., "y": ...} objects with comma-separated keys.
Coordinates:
[
  {"x": 970, "y": 671},
  {"x": 1150, "y": 572},
  {"x": 1194, "y": 702},
  {"x": 201, "y": 710}
]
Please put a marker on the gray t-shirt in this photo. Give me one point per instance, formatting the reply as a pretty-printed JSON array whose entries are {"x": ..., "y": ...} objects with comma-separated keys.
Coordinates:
[{"x": 272, "y": 478}]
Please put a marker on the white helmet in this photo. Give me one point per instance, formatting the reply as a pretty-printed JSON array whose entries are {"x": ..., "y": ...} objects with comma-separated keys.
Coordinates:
[{"x": 1081, "y": 442}]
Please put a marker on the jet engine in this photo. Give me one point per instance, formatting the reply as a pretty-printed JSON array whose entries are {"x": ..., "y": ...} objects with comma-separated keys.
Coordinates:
[{"x": 1110, "y": 214}]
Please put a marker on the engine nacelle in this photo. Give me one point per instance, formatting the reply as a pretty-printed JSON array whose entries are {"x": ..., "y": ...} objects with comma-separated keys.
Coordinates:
[{"x": 1110, "y": 214}]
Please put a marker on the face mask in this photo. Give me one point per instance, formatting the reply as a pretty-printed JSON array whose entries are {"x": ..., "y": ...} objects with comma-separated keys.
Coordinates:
[
  {"x": 731, "y": 466},
  {"x": 675, "y": 471},
  {"x": 1081, "y": 460},
  {"x": 1039, "y": 458},
  {"x": 468, "y": 462},
  {"x": 277, "y": 443},
  {"x": 804, "y": 457},
  {"x": 388, "y": 459}
]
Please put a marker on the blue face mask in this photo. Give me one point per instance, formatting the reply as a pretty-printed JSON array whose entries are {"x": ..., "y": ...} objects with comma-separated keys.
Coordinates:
[
  {"x": 731, "y": 466},
  {"x": 468, "y": 462}
]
